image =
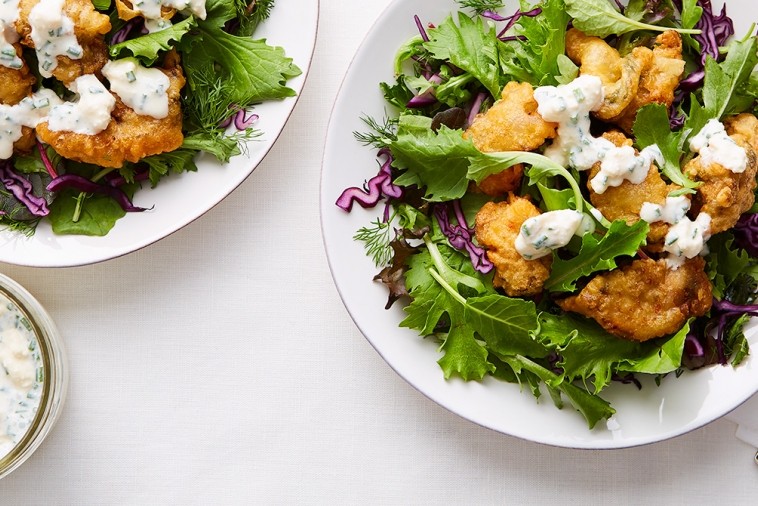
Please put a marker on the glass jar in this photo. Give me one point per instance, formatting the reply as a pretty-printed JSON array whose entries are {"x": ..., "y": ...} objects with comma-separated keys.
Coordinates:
[{"x": 51, "y": 379}]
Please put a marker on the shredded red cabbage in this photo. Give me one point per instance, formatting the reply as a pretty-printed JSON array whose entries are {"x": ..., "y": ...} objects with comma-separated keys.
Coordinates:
[
  {"x": 85, "y": 185},
  {"x": 460, "y": 236},
  {"x": 136, "y": 25},
  {"x": 421, "y": 30},
  {"x": 511, "y": 20},
  {"x": 375, "y": 188},
  {"x": 46, "y": 160},
  {"x": 715, "y": 30},
  {"x": 22, "y": 190},
  {"x": 746, "y": 233}
]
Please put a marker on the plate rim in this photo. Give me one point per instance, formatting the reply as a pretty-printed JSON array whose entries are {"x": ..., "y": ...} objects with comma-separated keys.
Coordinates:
[
  {"x": 599, "y": 444},
  {"x": 305, "y": 67}
]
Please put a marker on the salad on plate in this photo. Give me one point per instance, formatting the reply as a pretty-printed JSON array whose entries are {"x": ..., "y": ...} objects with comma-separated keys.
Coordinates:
[
  {"x": 567, "y": 192},
  {"x": 102, "y": 97}
]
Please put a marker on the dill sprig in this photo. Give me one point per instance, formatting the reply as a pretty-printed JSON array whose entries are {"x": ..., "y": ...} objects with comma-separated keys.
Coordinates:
[
  {"x": 251, "y": 13},
  {"x": 207, "y": 102},
  {"x": 480, "y": 6},
  {"x": 376, "y": 239},
  {"x": 381, "y": 135}
]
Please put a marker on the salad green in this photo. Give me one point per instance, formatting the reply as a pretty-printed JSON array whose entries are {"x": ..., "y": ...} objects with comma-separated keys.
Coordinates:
[
  {"x": 425, "y": 243},
  {"x": 228, "y": 71}
]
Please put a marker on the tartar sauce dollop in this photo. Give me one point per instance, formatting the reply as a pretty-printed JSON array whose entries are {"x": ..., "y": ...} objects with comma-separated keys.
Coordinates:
[
  {"x": 685, "y": 238},
  {"x": 145, "y": 90},
  {"x": 27, "y": 113},
  {"x": 53, "y": 35},
  {"x": 21, "y": 375},
  {"x": 541, "y": 234},
  {"x": 89, "y": 114},
  {"x": 8, "y": 56},
  {"x": 570, "y": 105},
  {"x": 715, "y": 146},
  {"x": 151, "y": 11}
]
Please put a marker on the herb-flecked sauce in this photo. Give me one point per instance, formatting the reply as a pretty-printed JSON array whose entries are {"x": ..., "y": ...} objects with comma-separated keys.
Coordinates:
[{"x": 21, "y": 375}]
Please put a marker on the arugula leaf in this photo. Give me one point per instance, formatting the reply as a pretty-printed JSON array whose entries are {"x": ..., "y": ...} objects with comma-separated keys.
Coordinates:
[
  {"x": 437, "y": 161},
  {"x": 101, "y": 5},
  {"x": 506, "y": 324},
  {"x": 431, "y": 304},
  {"x": 597, "y": 255},
  {"x": 599, "y": 18},
  {"x": 592, "y": 407},
  {"x": 735, "y": 340},
  {"x": 470, "y": 47},
  {"x": 651, "y": 126},
  {"x": 147, "y": 47}
]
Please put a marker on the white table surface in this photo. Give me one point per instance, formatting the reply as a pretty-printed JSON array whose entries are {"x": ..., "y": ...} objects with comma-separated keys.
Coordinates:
[{"x": 219, "y": 366}]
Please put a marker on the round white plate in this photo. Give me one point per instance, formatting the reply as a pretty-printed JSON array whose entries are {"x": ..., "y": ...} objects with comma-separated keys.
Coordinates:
[
  {"x": 182, "y": 198},
  {"x": 645, "y": 416}
]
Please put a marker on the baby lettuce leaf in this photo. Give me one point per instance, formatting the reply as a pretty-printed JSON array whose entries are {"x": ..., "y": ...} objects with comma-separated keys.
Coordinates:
[
  {"x": 506, "y": 324},
  {"x": 724, "y": 262},
  {"x": 651, "y": 126},
  {"x": 539, "y": 51},
  {"x": 592, "y": 407},
  {"x": 254, "y": 70},
  {"x": 726, "y": 87},
  {"x": 659, "y": 359},
  {"x": 600, "y": 18},
  {"x": 432, "y": 304},
  {"x": 437, "y": 161},
  {"x": 597, "y": 255},
  {"x": 147, "y": 47},
  {"x": 470, "y": 46},
  {"x": 99, "y": 214}
]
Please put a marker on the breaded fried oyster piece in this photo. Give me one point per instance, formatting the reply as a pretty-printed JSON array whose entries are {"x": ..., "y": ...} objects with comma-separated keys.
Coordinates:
[
  {"x": 725, "y": 194},
  {"x": 645, "y": 299},
  {"x": 129, "y": 136},
  {"x": 624, "y": 202},
  {"x": 642, "y": 77},
  {"x": 90, "y": 27},
  {"x": 497, "y": 226},
  {"x": 511, "y": 124}
]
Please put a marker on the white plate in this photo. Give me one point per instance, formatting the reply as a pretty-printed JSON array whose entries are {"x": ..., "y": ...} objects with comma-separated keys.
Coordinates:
[
  {"x": 180, "y": 199},
  {"x": 652, "y": 414}
]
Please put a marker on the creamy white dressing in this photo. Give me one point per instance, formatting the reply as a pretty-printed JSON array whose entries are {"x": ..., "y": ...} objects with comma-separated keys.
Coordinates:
[
  {"x": 53, "y": 35},
  {"x": 143, "y": 89},
  {"x": 8, "y": 56},
  {"x": 89, "y": 114},
  {"x": 672, "y": 212},
  {"x": 151, "y": 9},
  {"x": 570, "y": 105},
  {"x": 9, "y": 12},
  {"x": 685, "y": 238},
  {"x": 541, "y": 234},
  {"x": 21, "y": 375},
  {"x": 715, "y": 146},
  {"x": 156, "y": 25},
  {"x": 29, "y": 112}
]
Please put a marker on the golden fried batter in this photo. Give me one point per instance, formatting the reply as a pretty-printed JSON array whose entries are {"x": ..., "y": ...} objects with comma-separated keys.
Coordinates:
[
  {"x": 90, "y": 28},
  {"x": 497, "y": 225},
  {"x": 657, "y": 81},
  {"x": 129, "y": 136},
  {"x": 620, "y": 76},
  {"x": 645, "y": 299},
  {"x": 511, "y": 124},
  {"x": 126, "y": 11},
  {"x": 16, "y": 83},
  {"x": 723, "y": 194},
  {"x": 624, "y": 202}
]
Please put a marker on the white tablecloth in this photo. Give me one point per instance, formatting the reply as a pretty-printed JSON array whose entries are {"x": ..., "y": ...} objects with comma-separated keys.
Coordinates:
[{"x": 219, "y": 366}]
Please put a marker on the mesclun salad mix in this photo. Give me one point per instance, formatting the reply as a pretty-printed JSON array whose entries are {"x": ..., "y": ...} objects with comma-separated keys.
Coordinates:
[
  {"x": 568, "y": 192},
  {"x": 99, "y": 96}
]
